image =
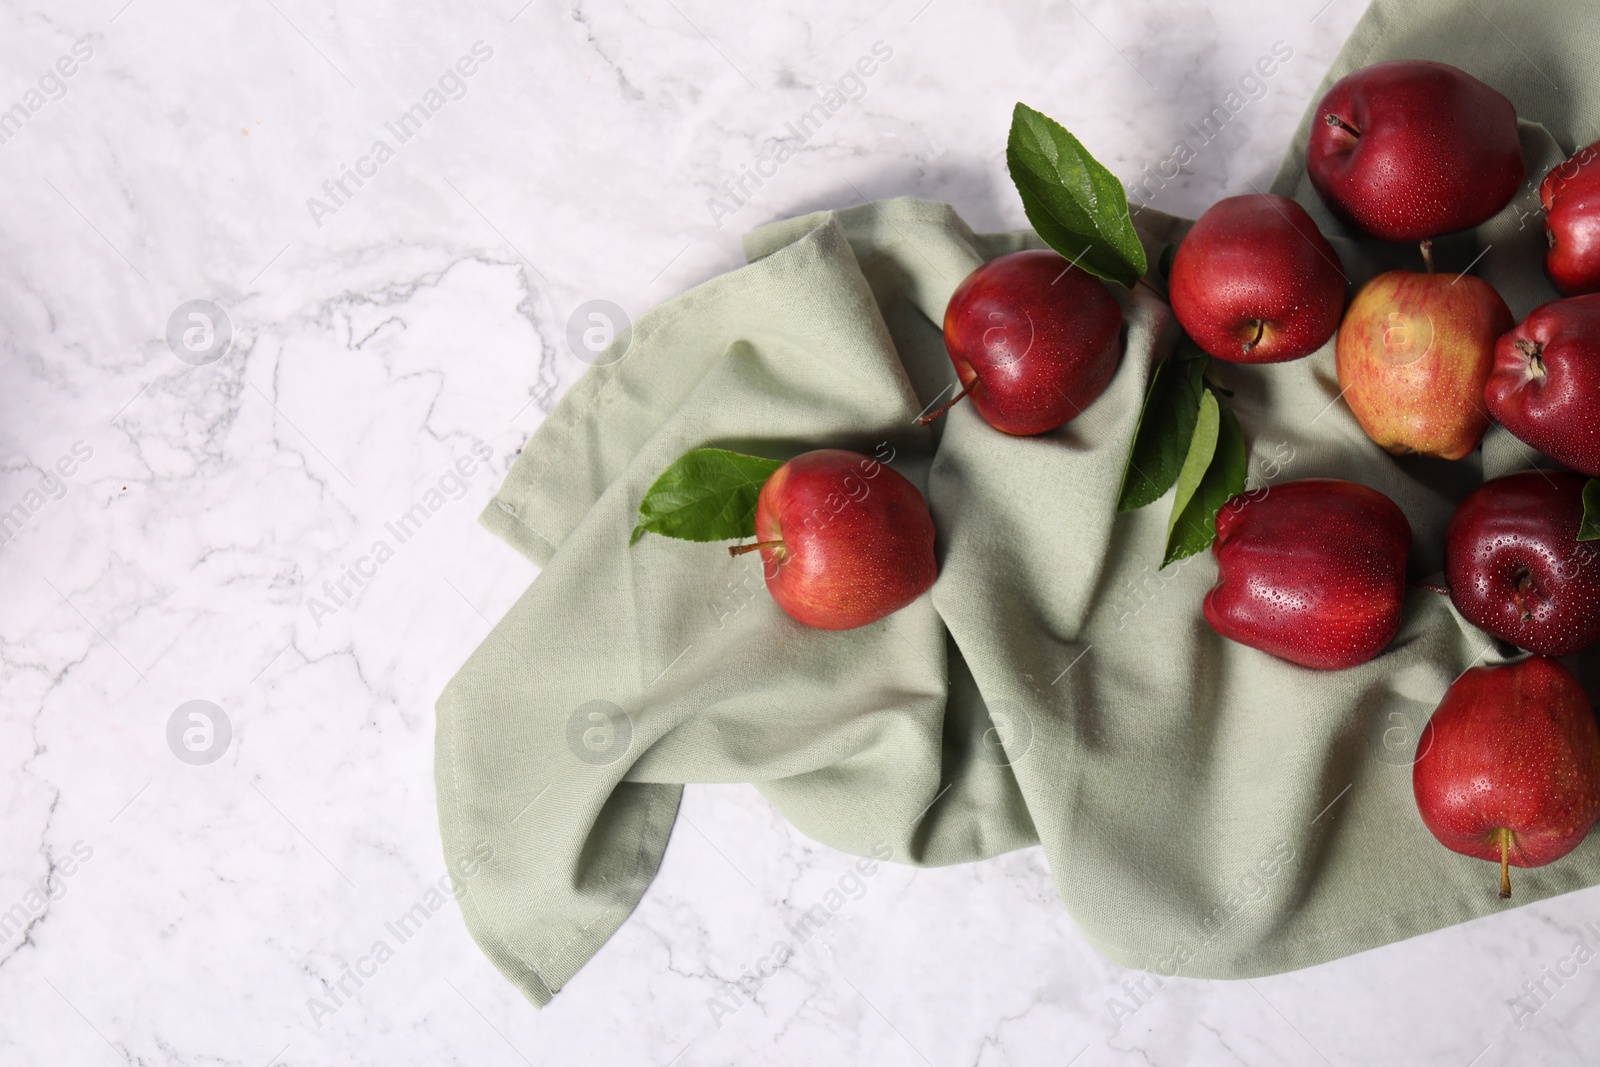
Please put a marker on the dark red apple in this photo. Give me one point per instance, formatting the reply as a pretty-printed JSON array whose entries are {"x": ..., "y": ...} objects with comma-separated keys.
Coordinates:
[
  {"x": 1570, "y": 194},
  {"x": 845, "y": 539},
  {"x": 1312, "y": 571},
  {"x": 1411, "y": 149},
  {"x": 1508, "y": 767},
  {"x": 1545, "y": 386},
  {"x": 1254, "y": 281},
  {"x": 1034, "y": 341},
  {"x": 1516, "y": 567}
]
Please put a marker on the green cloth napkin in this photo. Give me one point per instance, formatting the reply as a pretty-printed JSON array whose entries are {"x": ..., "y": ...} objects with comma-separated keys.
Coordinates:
[{"x": 1207, "y": 810}]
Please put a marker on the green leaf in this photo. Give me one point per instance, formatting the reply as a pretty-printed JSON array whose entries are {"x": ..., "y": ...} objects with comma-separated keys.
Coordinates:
[
  {"x": 1166, "y": 428},
  {"x": 1590, "y": 528},
  {"x": 1194, "y": 527},
  {"x": 1189, "y": 348},
  {"x": 708, "y": 494},
  {"x": 1197, "y": 458},
  {"x": 1075, "y": 204}
]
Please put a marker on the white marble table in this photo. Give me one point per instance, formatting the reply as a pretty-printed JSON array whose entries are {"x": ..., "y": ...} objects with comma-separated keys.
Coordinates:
[{"x": 199, "y": 911}]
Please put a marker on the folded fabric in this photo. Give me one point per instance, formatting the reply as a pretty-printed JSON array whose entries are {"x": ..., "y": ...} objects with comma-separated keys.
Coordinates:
[{"x": 1207, "y": 810}]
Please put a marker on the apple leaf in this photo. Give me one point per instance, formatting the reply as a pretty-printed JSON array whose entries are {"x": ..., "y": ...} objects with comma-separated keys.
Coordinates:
[
  {"x": 1075, "y": 204},
  {"x": 1189, "y": 348},
  {"x": 1166, "y": 430},
  {"x": 1197, "y": 457},
  {"x": 1194, "y": 514},
  {"x": 1589, "y": 530},
  {"x": 708, "y": 494}
]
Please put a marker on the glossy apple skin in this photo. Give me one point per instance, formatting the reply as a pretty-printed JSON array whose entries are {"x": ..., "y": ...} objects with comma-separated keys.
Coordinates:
[
  {"x": 1041, "y": 338},
  {"x": 1257, "y": 259},
  {"x": 1312, "y": 571},
  {"x": 1545, "y": 386},
  {"x": 857, "y": 539},
  {"x": 1437, "y": 152},
  {"x": 1413, "y": 355},
  {"x": 1516, "y": 567},
  {"x": 1570, "y": 194},
  {"x": 1513, "y": 748}
]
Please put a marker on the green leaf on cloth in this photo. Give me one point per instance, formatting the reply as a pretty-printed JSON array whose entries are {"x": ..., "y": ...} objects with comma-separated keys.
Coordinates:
[
  {"x": 708, "y": 494},
  {"x": 1166, "y": 429},
  {"x": 1213, "y": 473}
]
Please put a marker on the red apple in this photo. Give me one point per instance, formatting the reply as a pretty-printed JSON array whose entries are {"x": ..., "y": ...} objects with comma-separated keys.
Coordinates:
[
  {"x": 845, "y": 539},
  {"x": 1508, "y": 767},
  {"x": 1545, "y": 387},
  {"x": 1516, "y": 567},
  {"x": 1034, "y": 341},
  {"x": 1570, "y": 194},
  {"x": 1411, "y": 149},
  {"x": 1312, "y": 571},
  {"x": 1254, "y": 281},
  {"x": 1413, "y": 354}
]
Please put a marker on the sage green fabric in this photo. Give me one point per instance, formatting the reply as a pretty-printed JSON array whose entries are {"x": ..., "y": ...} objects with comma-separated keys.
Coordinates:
[{"x": 1206, "y": 810}]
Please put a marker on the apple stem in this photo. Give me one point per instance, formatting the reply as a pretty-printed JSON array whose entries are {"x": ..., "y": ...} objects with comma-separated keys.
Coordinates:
[
  {"x": 1152, "y": 288},
  {"x": 1442, "y": 590},
  {"x": 1335, "y": 120},
  {"x": 1505, "y": 867},
  {"x": 930, "y": 416},
  {"x": 1427, "y": 253},
  {"x": 1261, "y": 329},
  {"x": 739, "y": 550}
]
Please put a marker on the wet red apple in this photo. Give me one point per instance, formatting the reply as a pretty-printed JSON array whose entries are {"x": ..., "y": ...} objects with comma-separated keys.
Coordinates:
[
  {"x": 1570, "y": 194},
  {"x": 1508, "y": 767},
  {"x": 845, "y": 539},
  {"x": 1516, "y": 567},
  {"x": 1254, "y": 281},
  {"x": 1034, "y": 341},
  {"x": 1413, "y": 354},
  {"x": 1411, "y": 149},
  {"x": 1545, "y": 386},
  {"x": 1312, "y": 571}
]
